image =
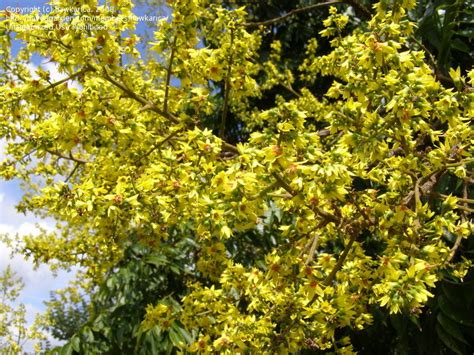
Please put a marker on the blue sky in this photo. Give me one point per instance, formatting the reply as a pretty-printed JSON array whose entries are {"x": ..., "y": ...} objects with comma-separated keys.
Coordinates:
[{"x": 40, "y": 282}]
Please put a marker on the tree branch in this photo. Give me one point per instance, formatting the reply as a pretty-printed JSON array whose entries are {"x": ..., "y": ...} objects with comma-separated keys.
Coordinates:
[
  {"x": 457, "y": 243},
  {"x": 168, "y": 74},
  {"x": 227, "y": 90},
  {"x": 359, "y": 8},
  {"x": 341, "y": 259},
  {"x": 158, "y": 145},
  {"x": 50, "y": 86},
  {"x": 292, "y": 13},
  {"x": 70, "y": 157},
  {"x": 147, "y": 105},
  {"x": 76, "y": 166},
  {"x": 327, "y": 216}
]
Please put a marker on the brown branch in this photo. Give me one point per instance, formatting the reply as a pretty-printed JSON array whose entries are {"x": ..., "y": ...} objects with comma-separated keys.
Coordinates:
[
  {"x": 57, "y": 83},
  {"x": 284, "y": 184},
  {"x": 358, "y": 7},
  {"x": 158, "y": 145},
  {"x": 457, "y": 243},
  {"x": 460, "y": 199},
  {"x": 70, "y": 157},
  {"x": 230, "y": 148},
  {"x": 464, "y": 208},
  {"x": 168, "y": 74},
  {"x": 340, "y": 260},
  {"x": 51, "y": 86},
  {"x": 147, "y": 105},
  {"x": 327, "y": 216},
  {"x": 292, "y": 13},
  {"x": 227, "y": 90},
  {"x": 313, "y": 248},
  {"x": 71, "y": 174},
  {"x": 426, "y": 186}
]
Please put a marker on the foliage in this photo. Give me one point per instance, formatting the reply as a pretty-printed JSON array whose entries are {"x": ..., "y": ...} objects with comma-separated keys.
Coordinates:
[
  {"x": 129, "y": 296},
  {"x": 448, "y": 28},
  {"x": 336, "y": 209}
]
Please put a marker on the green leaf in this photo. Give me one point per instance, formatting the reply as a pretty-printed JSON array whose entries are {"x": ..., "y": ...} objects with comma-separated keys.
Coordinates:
[
  {"x": 75, "y": 343},
  {"x": 451, "y": 292},
  {"x": 448, "y": 340},
  {"x": 157, "y": 260},
  {"x": 460, "y": 45},
  {"x": 66, "y": 350},
  {"x": 176, "y": 338},
  {"x": 187, "y": 338},
  {"x": 451, "y": 327},
  {"x": 455, "y": 313},
  {"x": 415, "y": 321},
  {"x": 175, "y": 268},
  {"x": 468, "y": 32}
]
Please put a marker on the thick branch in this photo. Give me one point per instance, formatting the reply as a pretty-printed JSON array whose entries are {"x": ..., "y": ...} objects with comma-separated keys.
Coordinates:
[{"x": 230, "y": 148}]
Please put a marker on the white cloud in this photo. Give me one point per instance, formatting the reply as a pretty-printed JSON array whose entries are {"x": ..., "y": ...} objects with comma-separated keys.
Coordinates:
[
  {"x": 39, "y": 282},
  {"x": 3, "y": 145}
]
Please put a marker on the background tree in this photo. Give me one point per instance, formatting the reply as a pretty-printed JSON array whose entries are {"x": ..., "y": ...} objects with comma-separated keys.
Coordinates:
[{"x": 14, "y": 330}]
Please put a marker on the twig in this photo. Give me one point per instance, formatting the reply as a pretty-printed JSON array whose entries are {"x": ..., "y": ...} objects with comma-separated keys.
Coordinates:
[
  {"x": 59, "y": 82},
  {"x": 147, "y": 105},
  {"x": 226, "y": 89},
  {"x": 290, "y": 89},
  {"x": 284, "y": 184},
  {"x": 312, "y": 250},
  {"x": 70, "y": 157},
  {"x": 359, "y": 8},
  {"x": 460, "y": 199},
  {"x": 457, "y": 243},
  {"x": 464, "y": 208},
  {"x": 158, "y": 145},
  {"x": 417, "y": 195},
  {"x": 315, "y": 209},
  {"x": 340, "y": 260},
  {"x": 51, "y": 86},
  {"x": 168, "y": 74},
  {"x": 72, "y": 172},
  {"x": 292, "y": 13}
]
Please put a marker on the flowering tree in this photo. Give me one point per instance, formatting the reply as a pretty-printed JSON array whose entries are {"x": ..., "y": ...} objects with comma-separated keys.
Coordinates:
[
  {"x": 360, "y": 194},
  {"x": 14, "y": 331}
]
